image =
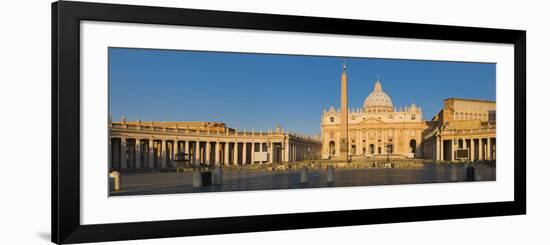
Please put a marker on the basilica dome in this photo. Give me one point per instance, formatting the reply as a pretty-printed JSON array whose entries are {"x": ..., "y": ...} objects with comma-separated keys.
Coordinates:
[{"x": 378, "y": 101}]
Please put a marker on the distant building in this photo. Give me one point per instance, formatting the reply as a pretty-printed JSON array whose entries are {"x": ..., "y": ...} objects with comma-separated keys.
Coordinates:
[{"x": 154, "y": 145}]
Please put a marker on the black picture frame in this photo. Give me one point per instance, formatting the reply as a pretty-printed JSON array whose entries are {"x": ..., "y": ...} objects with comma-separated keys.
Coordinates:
[{"x": 66, "y": 17}]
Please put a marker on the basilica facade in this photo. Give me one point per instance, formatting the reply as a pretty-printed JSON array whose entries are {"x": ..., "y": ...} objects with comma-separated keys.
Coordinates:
[{"x": 377, "y": 129}]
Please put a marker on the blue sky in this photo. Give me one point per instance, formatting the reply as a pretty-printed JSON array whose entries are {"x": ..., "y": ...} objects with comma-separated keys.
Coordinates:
[{"x": 259, "y": 91}]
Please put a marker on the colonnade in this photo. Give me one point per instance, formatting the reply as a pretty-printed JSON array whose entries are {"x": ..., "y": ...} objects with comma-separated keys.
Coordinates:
[
  {"x": 301, "y": 152},
  {"x": 160, "y": 153},
  {"x": 135, "y": 153},
  {"x": 479, "y": 148}
]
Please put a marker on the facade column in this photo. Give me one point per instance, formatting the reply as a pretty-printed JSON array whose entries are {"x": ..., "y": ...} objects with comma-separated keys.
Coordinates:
[
  {"x": 208, "y": 151},
  {"x": 360, "y": 145},
  {"x": 138, "y": 154},
  {"x": 123, "y": 154},
  {"x": 197, "y": 152},
  {"x": 217, "y": 151},
  {"x": 226, "y": 154},
  {"x": 489, "y": 149},
  {"x": 151, "y": 154}
]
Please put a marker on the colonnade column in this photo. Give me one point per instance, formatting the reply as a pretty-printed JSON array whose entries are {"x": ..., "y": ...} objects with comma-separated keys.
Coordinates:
[
  {"x": 270, "y": 159},
  {"x": 245, "y": 149},
  {"x": 252, "y": 152},
  {"x": 226, "y": 155},
  {"x": 138, "y": 154},
  {"x": 110, "y": 152},
  {"x": 471, "y": 149},
  {"x": 441, "y": 150},
  {"x": 151, "y": 154},
  {"x": 163, "y": 153},
  {"x": 217, "y": 151},
  {"x": 437, "y": 149},
  {"x": 452, "y": 150},
  {"x": 197, "y": 152},
  {"x": 123, "y": 154},
  {"x": 186, "y": 149},
  {"x": 207, "y": 152},
  {"x": 479, "y": 149},
  {"x": 489, "y": 149},
  {"x": 297, "y": 150},
  {"x": 235, "y": 153},
  {"x": 286, "y": 157},
  {"x": 174, "y": 152}
]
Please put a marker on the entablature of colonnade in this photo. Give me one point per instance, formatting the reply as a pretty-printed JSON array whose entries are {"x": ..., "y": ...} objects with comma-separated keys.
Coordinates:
[
  {"x": 204, "y": 136},
  {"x": 191, "y": 136},
  {"x": 469, "y": 133}
]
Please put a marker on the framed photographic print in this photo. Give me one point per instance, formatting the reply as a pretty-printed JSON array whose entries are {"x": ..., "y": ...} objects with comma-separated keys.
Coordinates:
[{"x": 176, "y": 122}]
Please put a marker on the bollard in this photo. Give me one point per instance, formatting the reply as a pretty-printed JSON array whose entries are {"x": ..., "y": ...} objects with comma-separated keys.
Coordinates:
[
  {"x": 303, "y": 175},
  {"x": 454, "y": 175},
  {"x": 217, "y": 177},
  {"x": 470, "y": 173},
  {"x": 114, "y": 180},
  {"x": 206, "y": 178},
  {"x": 197, "y": 179},
  {"x": 330, "y": 174}
]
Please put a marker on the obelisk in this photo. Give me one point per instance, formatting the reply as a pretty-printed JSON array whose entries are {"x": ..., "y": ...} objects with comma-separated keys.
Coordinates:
[{"x": 344, "y": 115}]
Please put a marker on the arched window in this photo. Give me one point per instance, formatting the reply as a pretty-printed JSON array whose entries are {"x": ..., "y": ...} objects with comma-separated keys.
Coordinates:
[{"x": 331, "y": 119}]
